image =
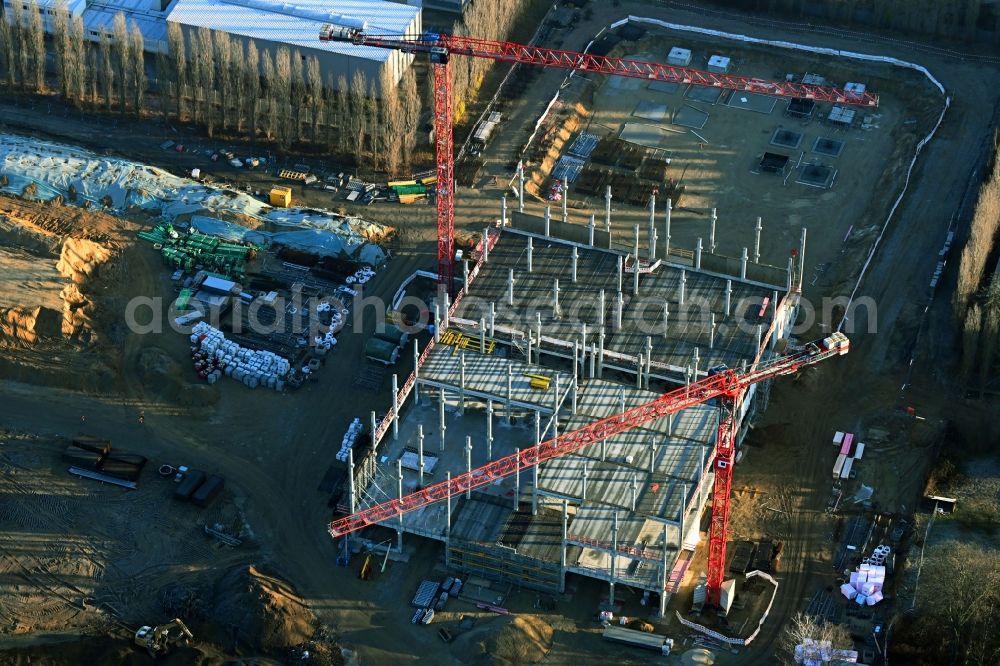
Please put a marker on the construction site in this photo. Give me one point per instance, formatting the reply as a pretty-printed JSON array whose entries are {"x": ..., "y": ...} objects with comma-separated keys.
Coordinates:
[{"x": 573, "y": 387}]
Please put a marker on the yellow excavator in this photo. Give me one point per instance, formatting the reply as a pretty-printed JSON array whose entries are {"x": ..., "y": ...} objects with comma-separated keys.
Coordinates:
[{"x": 159, "y": 639}]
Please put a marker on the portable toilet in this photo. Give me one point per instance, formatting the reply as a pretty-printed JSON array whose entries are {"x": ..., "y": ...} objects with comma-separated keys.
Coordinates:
[
  {"x": 718, "y": 64},
  {"x": 281, "y": 197},
  {"x": 679, "y": 57}
]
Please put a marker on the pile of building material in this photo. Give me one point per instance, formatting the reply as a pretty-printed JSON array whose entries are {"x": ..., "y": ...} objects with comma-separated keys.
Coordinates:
[
  {"x": 224, "y": 357},
  {"x": 93, "y": 458},
  {"x": 812, "y": 652},
  {"x": 187, "y": 249},
  {"x": 350, "y": 438},
  {"x": 866, "y": 584}
]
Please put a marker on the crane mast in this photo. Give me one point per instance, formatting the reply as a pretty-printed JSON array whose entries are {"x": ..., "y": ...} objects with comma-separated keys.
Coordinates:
[{"x": 728, "y": 386}]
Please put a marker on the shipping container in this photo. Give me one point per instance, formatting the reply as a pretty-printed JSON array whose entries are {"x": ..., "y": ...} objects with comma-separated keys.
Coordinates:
[
  {"x": 845, "y": 448},
  {"x": 859, "y": 450},
  {"x": 839, "y": 465},
  {"x": 208, "y": 490},
  {"x": 640, "y": 639},
  {"x": 845, "y": 473},
  {"x": 83, "y": 457},
  {"x": 120, "y": 469},
  {"x": 188, "y": 485},
  {"x": 280, "y": 197}
]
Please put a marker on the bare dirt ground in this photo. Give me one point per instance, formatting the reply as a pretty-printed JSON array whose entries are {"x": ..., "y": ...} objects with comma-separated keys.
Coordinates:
[{"x": 273, "y": 448}]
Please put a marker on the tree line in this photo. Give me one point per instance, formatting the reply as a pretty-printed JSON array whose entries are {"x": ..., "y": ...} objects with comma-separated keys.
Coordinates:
[{"x": 225, "y": 85}]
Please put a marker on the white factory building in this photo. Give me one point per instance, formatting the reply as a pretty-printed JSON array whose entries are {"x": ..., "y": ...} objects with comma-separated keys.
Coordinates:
[{"x": 270, "y": 23}]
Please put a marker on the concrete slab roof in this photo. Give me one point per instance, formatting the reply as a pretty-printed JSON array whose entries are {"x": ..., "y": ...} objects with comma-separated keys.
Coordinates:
[{"x": 673, "y": 341}]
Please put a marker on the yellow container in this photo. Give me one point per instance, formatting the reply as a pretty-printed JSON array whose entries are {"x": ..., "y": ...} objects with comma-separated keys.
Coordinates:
[{"x": 281, "y": 197}]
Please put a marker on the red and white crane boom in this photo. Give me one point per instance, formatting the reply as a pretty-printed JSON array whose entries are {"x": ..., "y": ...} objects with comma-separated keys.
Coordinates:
[{"x": 441, "y": 47}]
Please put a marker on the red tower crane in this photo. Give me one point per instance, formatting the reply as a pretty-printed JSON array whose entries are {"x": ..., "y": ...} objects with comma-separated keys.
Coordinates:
[
  {"x": 725, "y": 385},
  {"x": 441, "y": 47}
]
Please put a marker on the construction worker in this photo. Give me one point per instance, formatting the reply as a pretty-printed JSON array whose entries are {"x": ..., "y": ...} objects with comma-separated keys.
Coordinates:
[{"x": 142, "y": 417}]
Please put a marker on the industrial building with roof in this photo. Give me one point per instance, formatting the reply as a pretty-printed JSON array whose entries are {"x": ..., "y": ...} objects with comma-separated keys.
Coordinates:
[
  {"x": 270, "y": 23},
  {"x": 549, "y": 335}
]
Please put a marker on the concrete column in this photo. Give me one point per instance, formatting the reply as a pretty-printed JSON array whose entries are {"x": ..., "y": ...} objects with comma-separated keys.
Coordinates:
[
  {"x": 635, "y": 490},
  {"x": 743, "y": 265},
  {"x": 437, "y": 322},
  {"x": 538, "y": 337},
  {"x": 593, "y": 362},
  {"x": 465, "y": 276},
  {"x": 520, "y": 189},
  {"x": 791, "y": 268},
  {"x": 756, "y": 242},
  {"x": 510, "y": 391},
  {"x": 517, "y": 477},
  {"x": 374, "y": 426},
  {"x": 562, "y": 554},
  {"x": 652, "y": 228},
  {"x": 590, "y": 232},
  {"x": 760, "y": 335},
  {"x": 666, "y": 574},
  {"x": 729, "y": 297},
  {"x": 531, "y": 248},
  {"x": 351, "y": 490},
  {"x": 555, "y": 406},
  {"x": 442, "y": 427},
  {"x": 575, "y": 258},
  {"x": 640, "y": 364},
  {"x": 510, "y": 287},
  {"x": 416, "y": 372},
  {"x": 555, "y": 299},
  {"x": 607, "y": 210},
  {"x": 489, "y": 429},
  {"x": 446, "y": 314},
  {"x": 649, "y": 360},
  {"x": 614, "y": 559},
  {"x": 621, "y": 401},
  {"x": 711, "y": 332},
  {"x": 447, "y": 524},
  {"x": 619, "y": 309},
  {"x": 548, "y": 221},
  {"x": 395, "y": 406},
  {"x": 774, "y": 315},
  {"x": 486, "y": 239},
  {"x": 711, "y": 232},
  {"x": 681, "y": 288},
  {"x": 583, "y": 344},
  {"x": 503, "y": 211},
  {"x": 530, "y": 344},
  {"x": 680, "y": 532},
  {"x": 600, "y": 354},
  {"x": 576, "y": 376},
  {"x": 420, "y": 451},
  {"x": 666, "y": 318},
  {"x": 399, "y": 530},
  {"x": 697, "y": 255},
  {"x": 652, "y": 455},
  {"x": 461, "y": 383},
  {"x": 697, "y": 362},
  {"x": 620, "y": 272},
  {"x": 586, "y": 473},
  {"x": 604, "y": 449},
  {"x": 565, "y": 200},
  {"x": 666, "y": 239},
  {"x": 468, "y": 463},
  {"x": 534, "y": 468},
  {"x": 670, "y": 425},
  {"x": 493, "y": 320},
  {"x": 635, "y": 263},
  {"x": 482, "y": 335},
  {"x": 802, "y": 257},
  {"x": 601, "y": 308}
]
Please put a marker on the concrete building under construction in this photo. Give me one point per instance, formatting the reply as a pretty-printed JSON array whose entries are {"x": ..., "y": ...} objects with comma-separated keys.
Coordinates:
[{"x": 554, "y": 329}]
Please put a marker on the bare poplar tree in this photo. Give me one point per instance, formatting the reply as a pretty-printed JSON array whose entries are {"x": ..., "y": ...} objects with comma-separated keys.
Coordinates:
[
  {"x": 238, "y": 66},
  {"x": 344, "y": 103},
  {"x": 298, "y": 107},
  {"x": 175, "y": 42},
  {"x": 164, "y": 83},
  {"x": 78, "y": 60},
  {"x": 206, "y": 77},
  {"x": 330, "y": 111},
  {"x": 393, "y": 121},
  {"x": 251, "y": 74},
  {"x": 221, "y": 60},
  {"x": 137, "y": 49},
  {"x": 316, "y": 106},
  {"x": 268, "y": 99},
  {"x": 359, "y": 114},
  {"x": 282, "y": 92},
  {"x": 123, "y": 60},
  {"x": 36, "y": 41},
  {"x": 411, "y": 109},
  {"x": 20, "y": 56},
  {"x": 60, "y": 37},
  {"x": 107, "y": 71},
  {"x": 6, "y": 52}
]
